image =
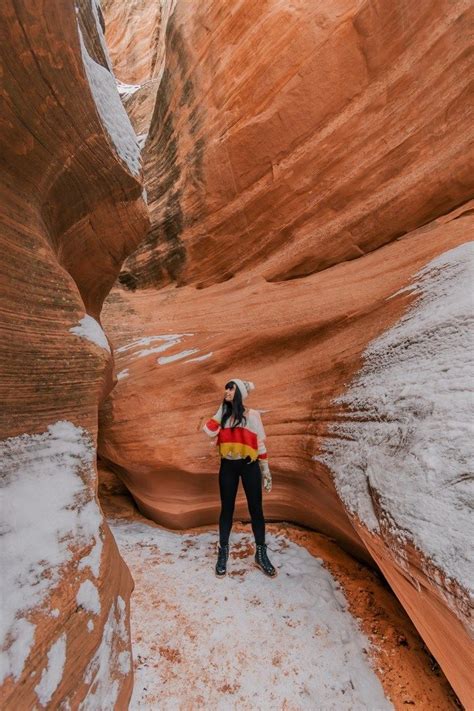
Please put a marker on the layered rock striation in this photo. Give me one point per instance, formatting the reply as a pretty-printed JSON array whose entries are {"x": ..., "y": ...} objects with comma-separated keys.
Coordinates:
[
  {"x": 303, "y": 164},
  {"x": 400, "y": 449},
  {"x": 72, "y": 209},
  {"x": 302, "y": 342},
  {"x": 289, "y": 138}
]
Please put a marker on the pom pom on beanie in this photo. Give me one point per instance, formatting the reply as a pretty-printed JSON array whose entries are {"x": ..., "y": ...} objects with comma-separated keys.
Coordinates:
[{"x": 245, "y": 386}]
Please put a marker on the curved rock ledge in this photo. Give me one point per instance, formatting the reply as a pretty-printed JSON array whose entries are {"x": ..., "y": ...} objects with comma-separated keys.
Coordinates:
[
  {"x": 180, "y": 346},
  {"x": 71, "y": 206}
]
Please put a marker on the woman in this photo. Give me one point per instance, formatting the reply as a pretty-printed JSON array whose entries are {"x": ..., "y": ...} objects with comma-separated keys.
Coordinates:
[{"x": 240, "y": 437}]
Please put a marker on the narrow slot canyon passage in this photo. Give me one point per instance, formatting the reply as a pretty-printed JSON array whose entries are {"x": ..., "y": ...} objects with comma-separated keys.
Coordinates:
[{"x": 256, "y": 213}]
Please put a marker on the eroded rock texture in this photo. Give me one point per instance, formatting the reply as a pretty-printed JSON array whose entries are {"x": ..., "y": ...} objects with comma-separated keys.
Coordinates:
[
  {"x": 71, "y": 206},
  {"x": 136, "y": 39},
  {"x": 290, "y": 138},
  {"x": 303, "y": 163}
]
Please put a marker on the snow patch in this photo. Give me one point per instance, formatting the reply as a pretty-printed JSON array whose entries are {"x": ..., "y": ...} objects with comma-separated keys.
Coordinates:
[
  {"x": 315, "y": 654},
  {"x": 166, "y": 341},
  {"x": 408, "y": 442},
  {"x": 141, "y": 139},
  {"x": 88, "y": 597},
  {"x": 52, "y": 675},
  {"x": 176, "y": 356},
  {"x": 121, "y": 624},
  {"x": 199, "y": 358},
  {"x": 93, "y": 559},
  {"x": 90, "y": 329},
  {"x": 108, "y": 103},
  {"x": 126, "y": 89},
  {"x": 19, "y": 635},
  {"x": 124, "y": 662},
  {"x": 47, "y": 479},
  {"x": 107, "y": 662}
]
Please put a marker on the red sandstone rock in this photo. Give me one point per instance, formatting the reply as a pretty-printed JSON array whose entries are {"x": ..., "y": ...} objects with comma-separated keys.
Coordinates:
[
  {"x": 345, "y": 129},
  {"x": 288, "y": 147},
  {"x": 135, "y": 35},
  {"x": 446, "y": 632},
  {"x": 70, "y": 199},
  {"x": 292, "y": 164},
  {"x": 150, "y": 425}
]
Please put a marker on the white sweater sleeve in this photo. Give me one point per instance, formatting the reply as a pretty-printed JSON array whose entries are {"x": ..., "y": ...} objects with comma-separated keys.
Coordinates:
[
  {"x": 261, "y": 436},
  {"x": 213, "y": 426}
]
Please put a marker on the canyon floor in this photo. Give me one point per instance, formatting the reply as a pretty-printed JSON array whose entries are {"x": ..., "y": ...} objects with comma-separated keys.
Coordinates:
[{"x": 326, "y": 633}]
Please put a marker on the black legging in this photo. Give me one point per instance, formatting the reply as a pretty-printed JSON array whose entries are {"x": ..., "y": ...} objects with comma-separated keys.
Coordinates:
[{"x": 229, "y": 473}]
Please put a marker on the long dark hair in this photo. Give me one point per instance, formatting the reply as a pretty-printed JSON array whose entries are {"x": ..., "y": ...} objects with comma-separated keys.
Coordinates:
[{"x": 235, "y": 408}]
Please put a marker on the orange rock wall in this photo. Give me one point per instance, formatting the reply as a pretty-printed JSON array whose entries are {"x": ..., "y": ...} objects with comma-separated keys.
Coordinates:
[
  {"x": 71, "y": 211},
  {"x": 301, "y": 135},
  {"x": 302, "y": 162},
  {"x": 136, "y": 39},
  {"x": 150, "y": 424},
  {"x": 133, "y": 33},
  {"x": 447, "y": 635}
]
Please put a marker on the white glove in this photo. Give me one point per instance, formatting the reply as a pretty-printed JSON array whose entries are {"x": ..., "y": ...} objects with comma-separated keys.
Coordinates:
[{"x": 266, "y": 474}]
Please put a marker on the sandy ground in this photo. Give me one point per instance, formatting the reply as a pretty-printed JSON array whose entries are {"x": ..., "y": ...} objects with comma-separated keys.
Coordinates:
[
  {"x": 326, "y": 633},
  {"x": 409, "y": 674},
  {"x": 245, "y": 641}
]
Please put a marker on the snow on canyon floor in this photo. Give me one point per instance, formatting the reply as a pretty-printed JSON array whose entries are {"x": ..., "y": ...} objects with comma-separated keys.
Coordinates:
[{"x": 245, "y": 641}]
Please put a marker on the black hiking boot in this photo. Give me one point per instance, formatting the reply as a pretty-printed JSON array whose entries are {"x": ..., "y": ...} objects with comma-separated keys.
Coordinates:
[
  {"x": 222, "y": 556},
  {"x": 262, "y": 561}
]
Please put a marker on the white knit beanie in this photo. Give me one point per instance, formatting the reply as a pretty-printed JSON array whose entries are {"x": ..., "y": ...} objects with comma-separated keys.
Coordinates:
[{"x": 245, "y": 386}]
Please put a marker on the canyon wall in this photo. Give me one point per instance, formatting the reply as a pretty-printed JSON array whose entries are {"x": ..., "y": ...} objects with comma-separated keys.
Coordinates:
[
  {"x": 72, "y": 209},
  {"x": 303, "y": 162},
  {"x": 286, "y": 139}
]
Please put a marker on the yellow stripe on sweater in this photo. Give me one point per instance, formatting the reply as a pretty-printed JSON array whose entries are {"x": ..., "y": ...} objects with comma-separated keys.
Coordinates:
[{"x": 237, "y": 448}]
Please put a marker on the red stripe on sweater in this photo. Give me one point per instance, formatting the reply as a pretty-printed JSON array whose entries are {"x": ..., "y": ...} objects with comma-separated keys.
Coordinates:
[
  {"x": 212, "y": 425},
  {"x": 238, "y": 434}
]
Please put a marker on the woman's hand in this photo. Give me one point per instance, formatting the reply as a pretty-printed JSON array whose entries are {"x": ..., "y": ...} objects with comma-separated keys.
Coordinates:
[
  {"x": 267, "y": 482},
  {"x": 266, "y": 475}
]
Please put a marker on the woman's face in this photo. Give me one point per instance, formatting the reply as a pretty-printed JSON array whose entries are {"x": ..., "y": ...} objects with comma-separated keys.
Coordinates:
[{"x": 229, "y": 393}]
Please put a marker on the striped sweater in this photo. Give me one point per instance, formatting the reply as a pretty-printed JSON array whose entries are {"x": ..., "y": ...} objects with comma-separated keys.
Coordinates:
[{"x": 241, "y": 441}]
